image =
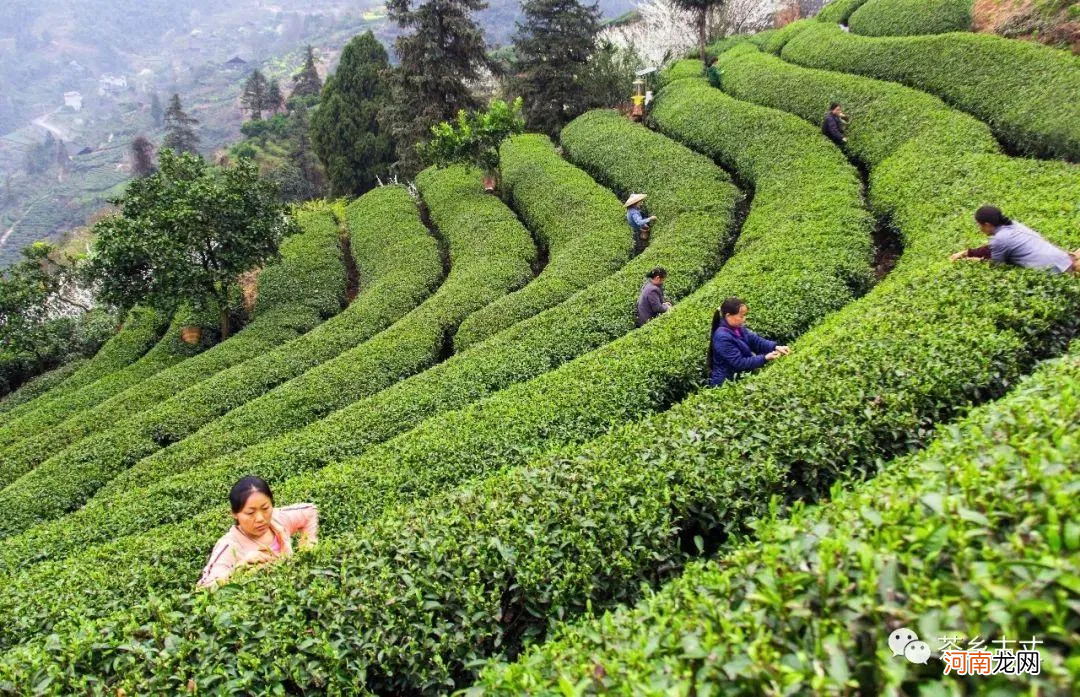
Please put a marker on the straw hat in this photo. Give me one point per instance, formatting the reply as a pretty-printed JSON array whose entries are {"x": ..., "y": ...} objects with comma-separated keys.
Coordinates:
[{"x": 634, "y": 198}]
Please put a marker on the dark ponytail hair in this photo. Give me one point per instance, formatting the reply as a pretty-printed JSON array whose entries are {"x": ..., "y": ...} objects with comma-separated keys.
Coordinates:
[
  {"x": 992, "y": 215},
  {"x": 243, "y": 490},
  {"x": 730, "y": 306}
]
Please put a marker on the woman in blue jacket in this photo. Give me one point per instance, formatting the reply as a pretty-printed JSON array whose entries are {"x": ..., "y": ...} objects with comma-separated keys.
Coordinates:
[{"x": 733, "y": 347}]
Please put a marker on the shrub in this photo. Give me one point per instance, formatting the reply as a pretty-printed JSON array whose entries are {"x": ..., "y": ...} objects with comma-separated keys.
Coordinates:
[
  {"x": 294, "y": 297},
  {"x": 76, "y": 473},
  {"x": 484, "y": 437},
  {"x": 582, "y": 230},
  {"x": 39, "y": 385},
  {"x": 931, "y": 544},
  {"x": 1024, "y": 91},
  {"x": 774, "y": 40},
  {"x": 911, "y": 17},
  {"x": 838, "y": 11}
]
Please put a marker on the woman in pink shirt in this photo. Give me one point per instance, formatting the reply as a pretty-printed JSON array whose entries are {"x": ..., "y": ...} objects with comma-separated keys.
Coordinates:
[{"x": 262, "y": 533}]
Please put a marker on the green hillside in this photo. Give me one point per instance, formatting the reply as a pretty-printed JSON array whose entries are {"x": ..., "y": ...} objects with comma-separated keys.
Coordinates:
[{"x": 521, "y": 491}]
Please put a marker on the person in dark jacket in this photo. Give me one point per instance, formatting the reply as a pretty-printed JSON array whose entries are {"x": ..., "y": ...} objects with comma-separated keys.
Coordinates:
[
  {"x": 733, "y": 348},
  {"x": 651, "y": 301},
  {"x": 712, "y": 72},
  {"x": 834, "y": 125}
]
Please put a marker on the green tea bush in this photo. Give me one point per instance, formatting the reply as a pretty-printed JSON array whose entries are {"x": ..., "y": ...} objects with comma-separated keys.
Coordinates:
[
  {"x": 620, "y": 375},
  {"x": 294, "y": 296},
  {"x": 582, "y": 229},
  {"x": 484, "y": 438},
  {"x": 911, "y": 17},
  {"x": 35, "y": 387},
  {"x": 410, "y": 268},
  {"x": 1024, "y": 91},
  {"x": 976, "y": 537},
  {"x": 757, "y": 77},
  {"x": 139, "y": 332},
  {"x": 773, "y": 40},
  {"x": 838, "y": 11}
]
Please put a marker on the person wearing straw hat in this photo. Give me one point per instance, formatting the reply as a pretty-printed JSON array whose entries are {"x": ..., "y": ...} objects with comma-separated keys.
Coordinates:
[{"x": 638, "y": 222}]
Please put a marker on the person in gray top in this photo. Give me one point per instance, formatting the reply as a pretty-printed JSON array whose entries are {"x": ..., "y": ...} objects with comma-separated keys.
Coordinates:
[
  {"x": 1015, "y": 243},
  {"x": 651, "y": 302}
]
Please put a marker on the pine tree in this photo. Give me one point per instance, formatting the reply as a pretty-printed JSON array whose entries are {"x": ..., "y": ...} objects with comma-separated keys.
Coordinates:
[
  {"x": 553, "y": 47},
  {"x": 275, "y": 101},
  {"x": 156, "y": 112},
  {"x": 62, "y": 157},
  {"x": 180, "y": 133},
  {"x": 142, "y": 157},
  {"x": 444, "y": 51},
  {"x": 345, "y": 130},
  {"x": 256, "y": 95},
  {"x": 307, "y": 82}
]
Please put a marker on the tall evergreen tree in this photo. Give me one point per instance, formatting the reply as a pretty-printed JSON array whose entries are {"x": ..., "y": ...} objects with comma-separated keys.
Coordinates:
[
  {"x": 256, "y": 95},
  {"x": 345, "y": 129},
  {"x": 156, "y": 112},
  {"x": 302, "y": 153},
  {"x": 180, "y": 135},
  {"x": 444, "y": 51},
  {"x": 307, "y": 82},
  {"x": 62, "y": 157},
  {"x": 275, "y": 100},
  {"x": 142, "y": 157},
  {"x": 553, "y": 47}
]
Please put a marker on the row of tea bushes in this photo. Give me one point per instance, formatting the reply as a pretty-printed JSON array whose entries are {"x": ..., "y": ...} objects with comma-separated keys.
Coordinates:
[
  {"x": 975, "y": 537},
  {"x": 70, "y": 477},
  {"x": 622, "y": 375},
  {"x": 410, "y": 601},
  {"x": 1025, "y": 91},
  {"x": 579, "y": 224},
  {"x": 140, "y": 331},
  {"x": 838, "y": 11},
  {"x": 690, "y": 187},
  {"x": 295, "y": 295},
  {"x": 492, "y": 255},
  {"x": 911, "y": 17},
  {"x": 37, "y": 386}
]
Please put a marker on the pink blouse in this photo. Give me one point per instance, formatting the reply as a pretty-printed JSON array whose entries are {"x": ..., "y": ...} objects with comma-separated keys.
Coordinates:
[{"x": 235, "y": 549}]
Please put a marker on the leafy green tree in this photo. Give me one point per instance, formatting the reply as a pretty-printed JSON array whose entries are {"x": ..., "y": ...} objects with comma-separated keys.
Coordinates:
[
  {"x": 444, "y": 51},
  {"x": 306, "y": 82},
  {"x": 62, "y": 157},
  {"x": 142, "y": 156},
  {"x": 474, "y": 138},
  {"x": 345, "y": 128},
  {"x": 255, "y": 97},
  {"x": 553, "y": 48},
  {"x": 184, "y": 235},
  {"x": 180, "y": 135},
  {"x": 34, "y": 293}
]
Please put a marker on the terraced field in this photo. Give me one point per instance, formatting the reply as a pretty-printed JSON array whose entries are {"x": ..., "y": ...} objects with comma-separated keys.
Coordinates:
[{"x": 522, "y": 493}]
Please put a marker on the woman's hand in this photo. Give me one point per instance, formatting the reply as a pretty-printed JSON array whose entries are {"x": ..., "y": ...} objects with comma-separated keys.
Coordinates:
[
  {"x": 257, "y": 556},
  {"x": 962, "y": 254},
  {"x": 772, "y": 355},
  {"x": 783, "y": 350}
]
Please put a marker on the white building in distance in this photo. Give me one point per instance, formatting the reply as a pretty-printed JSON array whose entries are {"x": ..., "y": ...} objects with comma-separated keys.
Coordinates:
[{"x": 73, "y": 100}]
